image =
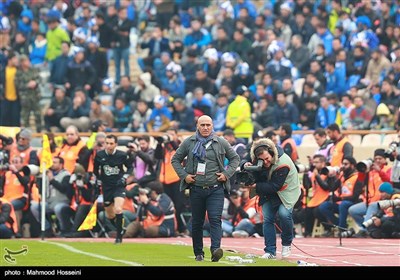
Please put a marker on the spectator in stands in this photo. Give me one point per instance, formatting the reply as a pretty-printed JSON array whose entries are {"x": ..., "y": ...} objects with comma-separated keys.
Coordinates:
[
  {"x": 299, "y": 55},
  {"x": 378, "y": 67},
  {"x": 199, "y": 37},
  {"x": 99, "y": 112},
  {"x": 160, "y": 118},
  {"x": 27, "y": 85},
  {"x": 145, "y": 89},
  {"x": 183, "y": 116},
  {"x": 219, "y": 112},
  {"x": 78, "y": 113},
  {"x": 127, "y": 92},
  {"x": 59, "y": 107},
  {"x": 59, "y": 66},
  {"x": 10, "y": 107},
  {"x": 122, "y": 115},
  {"x": 238, "y": 116},
  {"x": 343, "y": 113},
  {"x": 326, "y": 113},
  {"x": 80, "y": 72},
  {"x": 98, "y": 59},
  {"x": 37, "y": 55},
  {"x": 156, "y": 43},
  {"x": 121, "y": 44},
  {"x": 285, "y": 112},
  {"x": 263, "y": 115},
  {"x": 360, "y": 117},
  {"x": 55, "y": 36},
  {"x": 308, "y": 114},
  {"x": 59, "y": 197},
  {"x": 342, "y": 148}
]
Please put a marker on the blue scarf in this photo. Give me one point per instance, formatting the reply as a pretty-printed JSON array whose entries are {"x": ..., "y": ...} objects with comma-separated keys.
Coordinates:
[{"x": 199, "y": 150}]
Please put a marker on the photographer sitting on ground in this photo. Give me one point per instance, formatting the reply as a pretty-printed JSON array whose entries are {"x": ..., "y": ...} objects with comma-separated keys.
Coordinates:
[
  {"x": 382, "y": 219},
  {"x": 156, "y": 213},
  {"x": 278, "y": 186}
]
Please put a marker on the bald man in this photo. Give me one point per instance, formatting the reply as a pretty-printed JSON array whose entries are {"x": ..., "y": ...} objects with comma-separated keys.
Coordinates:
[{"x": 208, "y": 181}]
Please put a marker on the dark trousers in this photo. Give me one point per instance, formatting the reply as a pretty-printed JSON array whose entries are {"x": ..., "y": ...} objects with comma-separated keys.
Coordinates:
[
  {"x": 10, "y": 113},
  {"x": 178, "y": 198},
  {"x": 212, "y": 201}
]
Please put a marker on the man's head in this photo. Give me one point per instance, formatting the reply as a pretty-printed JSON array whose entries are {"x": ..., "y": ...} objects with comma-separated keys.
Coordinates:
[
  {"x": 111, "y": 143},
  {"x": 205, "y": 125}
]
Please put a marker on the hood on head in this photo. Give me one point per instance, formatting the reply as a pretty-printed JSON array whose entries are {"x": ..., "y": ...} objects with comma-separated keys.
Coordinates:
[
  {"x": 264, "y": 142},
  {"x": 146, "y": 78}
]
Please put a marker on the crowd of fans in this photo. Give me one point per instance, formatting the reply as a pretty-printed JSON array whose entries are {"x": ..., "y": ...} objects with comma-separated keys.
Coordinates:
[
  {"x": 307, "y": 63},
  {"x": 251, "y": 65}
]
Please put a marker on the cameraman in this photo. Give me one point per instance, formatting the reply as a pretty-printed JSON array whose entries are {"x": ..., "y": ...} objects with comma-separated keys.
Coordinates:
[
  {"x": 245, "y": 214},
  {"x": 317, "y": 188},
  {"x": 165, "y": 150},
  {"x": 394, "y": 155},
  {"x": 371, "y": 180},
  {"x": 343, "y": 194},
  {"x": 143, "y": 160},
  {"x": 156, "y": 213},
  {"x": 278, "y": 186},
  {"x": 384, "y": 221}
]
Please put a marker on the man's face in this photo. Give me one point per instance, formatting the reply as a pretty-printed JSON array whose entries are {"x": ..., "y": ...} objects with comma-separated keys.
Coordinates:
[
  {"x": 266, "y": 158},
  {"x": 110, "y": 145},
  {"x": 204, "y": 126}
]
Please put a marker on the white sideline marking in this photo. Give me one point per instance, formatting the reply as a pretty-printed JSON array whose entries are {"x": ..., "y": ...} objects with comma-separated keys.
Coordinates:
[{"x": 74, "y": 250}]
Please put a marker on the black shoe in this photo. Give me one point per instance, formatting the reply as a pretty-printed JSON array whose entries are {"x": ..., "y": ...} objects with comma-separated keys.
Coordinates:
[
  {"x": 118, "y": 240},
  {"x": 199, "y": 258},
  {"x": 217, "y": 254}
]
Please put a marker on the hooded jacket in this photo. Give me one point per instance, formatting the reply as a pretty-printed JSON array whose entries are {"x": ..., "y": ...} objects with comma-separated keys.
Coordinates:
[{"x": 281, "y": 178}]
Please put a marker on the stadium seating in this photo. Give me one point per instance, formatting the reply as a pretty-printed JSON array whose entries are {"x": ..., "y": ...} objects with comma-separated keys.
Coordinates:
[{"x": 371, "y": 140}]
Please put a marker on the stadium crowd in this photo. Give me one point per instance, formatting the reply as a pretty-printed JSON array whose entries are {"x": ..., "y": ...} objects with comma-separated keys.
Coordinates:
[{"x": 255, "y": 67}]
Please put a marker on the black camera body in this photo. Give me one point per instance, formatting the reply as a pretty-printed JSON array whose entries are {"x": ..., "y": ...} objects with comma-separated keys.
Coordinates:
[
  {"x": 4, "y": 161},
  {"x": 166, "y": 138},
  {"x": 246, "y": 177},
  {"x": 6, "y": 140}
]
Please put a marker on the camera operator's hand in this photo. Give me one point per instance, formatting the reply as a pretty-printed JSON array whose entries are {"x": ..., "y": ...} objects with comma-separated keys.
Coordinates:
[
  {"x": 253, "y": 186},
  {"x": 50, "y": 175},
  {"x": 247, "y": 164},
  {"x": 190, "y": 179},
  {"x": 72, "y": 178},
  {"x": 132, "y": 147},
  {"x": 79, "y": 183},
  {"x": 13, "y": 168},
  {"x": 143, "y": 198}
]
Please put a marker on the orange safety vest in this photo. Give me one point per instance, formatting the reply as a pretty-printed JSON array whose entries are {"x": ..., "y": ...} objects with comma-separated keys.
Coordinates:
[
  {"x": 152, "y": 220},
  {"x": 347, "y": 186},
  {"x": 13, "y": 189},
  {"x": 70, "y": 155},
  {"x": 14, "y": 225},
  {"x": 78, "y": 198},
  {"x": 389, "y": 211},
  {"x": 167, "y": 171},
  {"x": 251, "y": 203},
  {"x": 337, "y": 152},
  {"x": 374, "y": 181},
  {"x": 128, "y": 202},
  {"x": 294, "y": 156},
  {"x": 91, "y": 161},
  {"x": 25, "y": 155},
  {"x": 319, "y": 194}
]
